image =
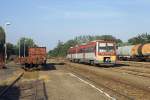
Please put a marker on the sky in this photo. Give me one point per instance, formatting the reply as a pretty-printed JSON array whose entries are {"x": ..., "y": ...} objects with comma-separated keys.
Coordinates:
[{"x": 47, "y": 21}]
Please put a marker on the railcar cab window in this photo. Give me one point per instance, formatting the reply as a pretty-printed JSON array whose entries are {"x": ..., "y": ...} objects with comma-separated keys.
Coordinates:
[
  {"x": 110, "y": 47},
  {"x": 106, "y": 47},
  {"x": 102, "y": 47}
]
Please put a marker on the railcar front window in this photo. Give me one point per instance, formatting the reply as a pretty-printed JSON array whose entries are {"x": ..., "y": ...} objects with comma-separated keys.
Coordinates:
[
  {"x": 110, "y": 47},
  {"x": 106, "y": 47},
  {"x": 102, "y": 47}
]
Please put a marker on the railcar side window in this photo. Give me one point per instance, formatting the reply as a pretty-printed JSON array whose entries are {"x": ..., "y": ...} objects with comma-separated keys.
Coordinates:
[
  {"x": 90, "y": 49},
  {"x": 80, "y": 51}
]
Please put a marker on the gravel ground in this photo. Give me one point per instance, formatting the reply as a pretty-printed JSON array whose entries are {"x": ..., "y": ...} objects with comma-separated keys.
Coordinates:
[
  {"x": 127, "y": 80},
  {"x": 72, "y": 81},
  {"x": 9, "y": 74},
  {"x": 62, "y": 85}
]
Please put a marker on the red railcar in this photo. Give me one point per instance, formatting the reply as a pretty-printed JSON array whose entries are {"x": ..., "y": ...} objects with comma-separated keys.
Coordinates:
[
  {"x": 36, "y": 56},
  {"x": 94, "y": 52},
  {"x": 2, "y": 64}
]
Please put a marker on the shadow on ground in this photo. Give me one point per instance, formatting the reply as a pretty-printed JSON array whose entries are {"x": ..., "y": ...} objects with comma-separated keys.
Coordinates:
[
  {"x": 112, "y": 66},
  {"x": 50, "y": 66},
  {"x": 107, "y": 65},
  {"x": 12, "y": 94},
  {"x": 16, "y": 93}
]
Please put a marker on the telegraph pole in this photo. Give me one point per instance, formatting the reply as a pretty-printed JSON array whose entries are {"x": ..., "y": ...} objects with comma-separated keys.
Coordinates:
[{"x": 6, "y": 24}]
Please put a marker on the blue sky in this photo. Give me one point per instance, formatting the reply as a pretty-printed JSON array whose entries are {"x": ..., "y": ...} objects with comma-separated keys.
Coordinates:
[{"x": 47, "y": 21}]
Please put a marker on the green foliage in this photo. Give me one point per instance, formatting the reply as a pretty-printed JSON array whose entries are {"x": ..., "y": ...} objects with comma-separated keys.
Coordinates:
[
  {"x": 123, "y": 44},
  {"x": 27, "y": 43},
  {"x": 14, "y": 49},
  {"x": 143, "y": 38},
  {"x": 11, "y": 49},
  {"x": 2, "y": 39},
  {"x": 88, "y": 38},
  {"x": 62, "y": 48}
]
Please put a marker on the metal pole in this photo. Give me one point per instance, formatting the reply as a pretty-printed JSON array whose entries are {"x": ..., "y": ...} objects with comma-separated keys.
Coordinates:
[
  {"x": 6, "y": 24},
  {"x": 5, "y": 45}
]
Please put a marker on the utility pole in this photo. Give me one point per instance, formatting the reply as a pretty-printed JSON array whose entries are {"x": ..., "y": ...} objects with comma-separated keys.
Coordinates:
[{"x": 6, "y": 24}]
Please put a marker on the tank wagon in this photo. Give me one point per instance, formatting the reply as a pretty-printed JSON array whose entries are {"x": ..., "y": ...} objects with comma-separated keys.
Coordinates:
[
  {"x": 124, "y": 53},
  {"x": 36, "y": 56},
  {"x": 94, "y": 52},
  {"x": 139, "y": 52}
]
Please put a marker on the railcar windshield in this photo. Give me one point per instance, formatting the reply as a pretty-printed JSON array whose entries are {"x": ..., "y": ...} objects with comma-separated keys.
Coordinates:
[{"x": 106, "y": 47}]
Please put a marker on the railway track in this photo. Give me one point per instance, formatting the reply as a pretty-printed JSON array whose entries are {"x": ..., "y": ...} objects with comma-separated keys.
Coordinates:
[
  {"x": 145, "y": 72},
  {"x": 133, "y": 72},
  {"x": 34, "y": 90},
  {"x": 136, "y": 64},
  {"x": 135, "y": 68},
  {"x": 147, "y": 63},
  {"x": 6, "y": 89},
  {"x": 24, "y": 90},
  {"x": 137, "y": 72},
  {"x": 123, "y": 96},
  {"x": 118, "y": 83},
  {"x": 118, "y": 94}
]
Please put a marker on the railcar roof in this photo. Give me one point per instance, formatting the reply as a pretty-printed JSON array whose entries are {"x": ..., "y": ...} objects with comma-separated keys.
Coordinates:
[{"x": 90, "y": 43}]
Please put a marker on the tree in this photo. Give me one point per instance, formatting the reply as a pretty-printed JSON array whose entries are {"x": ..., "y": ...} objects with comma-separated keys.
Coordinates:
[
  {"x": 62, "y": 48},
  {"x": 27, "y": 43},
  {"x": 88, "y": 38},
  {"x": 58, "y": 50},
  {"x": 2, "y": 40},
  {"x": 11, "y": 50},
  {"x": 140, "y": 39}
]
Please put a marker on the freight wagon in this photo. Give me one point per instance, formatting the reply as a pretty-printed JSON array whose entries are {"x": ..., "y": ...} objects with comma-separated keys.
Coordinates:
[
  {"x": 140, "y": 52},
  {"x": 124, "y": 53},
  {"x": 2, "y": 64},
  {"x": 94, "y": 52},
  {"x": 36, "y": 56}
]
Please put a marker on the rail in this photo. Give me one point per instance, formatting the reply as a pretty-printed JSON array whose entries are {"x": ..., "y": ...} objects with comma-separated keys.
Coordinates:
[{"x": 4, "y": 91}]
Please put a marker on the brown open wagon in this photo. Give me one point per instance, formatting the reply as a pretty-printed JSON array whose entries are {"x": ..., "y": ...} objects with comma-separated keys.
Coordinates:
[{"x": 36, "y": 56}]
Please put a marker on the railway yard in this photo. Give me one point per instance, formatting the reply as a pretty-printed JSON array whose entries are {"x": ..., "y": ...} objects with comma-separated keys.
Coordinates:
[
  {"x": 75, "y": 50},
  {"x": 63, "y": 80}
]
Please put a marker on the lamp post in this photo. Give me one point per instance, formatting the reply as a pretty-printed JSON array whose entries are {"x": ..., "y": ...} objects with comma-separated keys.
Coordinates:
[{"x": 6, "y": 24}]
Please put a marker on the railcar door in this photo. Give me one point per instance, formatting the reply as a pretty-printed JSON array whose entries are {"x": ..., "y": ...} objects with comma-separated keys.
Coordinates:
[{"x": 84, "y": 54}]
